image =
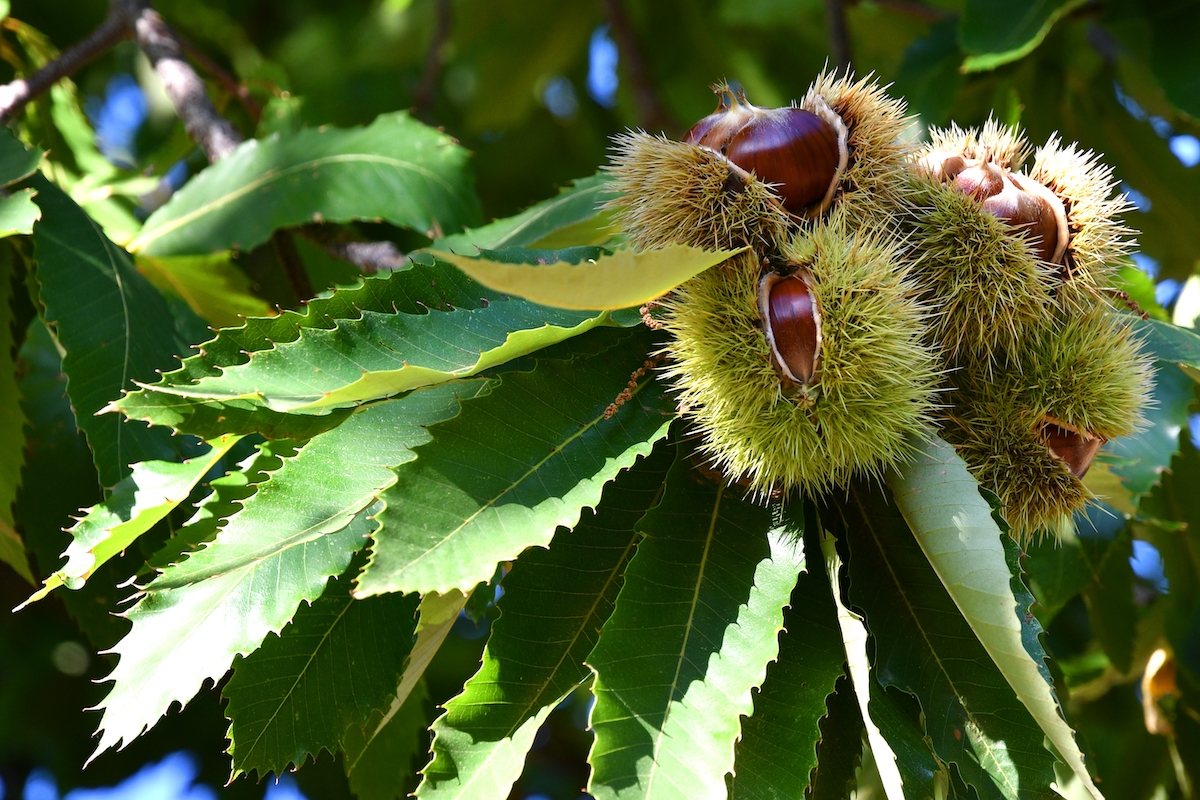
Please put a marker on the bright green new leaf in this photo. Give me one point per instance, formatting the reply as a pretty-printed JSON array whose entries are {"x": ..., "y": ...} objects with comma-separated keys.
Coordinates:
[
  {"x": 694, "y": 628},
  {"x": 335, "y": 664},
  {"x": 151, "y": 491},
  {"x": 953, "y": 524},
  {"x": 623, "y": 280},
  {"x": 555, "y": 602},
  {"x": 924, "y": 647},
  {"x": 12, "y": 422},
  {"x": 18, "y": 212},
  {"x": 114, "y": 326},
  {"x": 573, "y": 208},
  {"x": 396, "y": 169},
  {"x": 511, "y": 468},
  {"x": 997, "y": 33},
  {"x": 211, "y": 285},
  {"x": 299, "y": 529},
  {"x": 778, "y": 748}
]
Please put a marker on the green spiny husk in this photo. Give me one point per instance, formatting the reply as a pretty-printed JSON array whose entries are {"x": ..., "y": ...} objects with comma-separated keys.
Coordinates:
[
  {"x": 875, "y": 379},
  {"x": 676, "y": 193},
  {"x": 873, "y": 185},
  {"x": 1087, "y": 372}
]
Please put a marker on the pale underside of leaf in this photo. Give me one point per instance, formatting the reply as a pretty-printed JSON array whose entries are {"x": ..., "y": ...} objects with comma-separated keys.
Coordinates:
[
  {"x": 623, "y": 280},
  {"x": 953, "y": 524}
]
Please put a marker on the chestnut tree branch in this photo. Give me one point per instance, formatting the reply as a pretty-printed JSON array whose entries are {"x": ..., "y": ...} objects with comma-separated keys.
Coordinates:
[
  {"x": 431, "y": 70},
  {"x": 16, "y": 95},
  {"x": 839, "y": 38},
  {"x": 652, "y": 114}
]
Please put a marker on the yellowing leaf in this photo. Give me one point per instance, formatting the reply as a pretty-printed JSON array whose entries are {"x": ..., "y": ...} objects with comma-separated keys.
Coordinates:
[{"x": 622, "y": 280}]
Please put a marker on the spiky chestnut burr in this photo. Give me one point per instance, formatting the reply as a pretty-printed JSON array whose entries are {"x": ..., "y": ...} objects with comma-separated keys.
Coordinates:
[
  {"x": 842, "y": 381},
  {"x": 801, "y": 153},
  {"x": 1030, "y": 428},
  {"x": 677, "y": 193}
]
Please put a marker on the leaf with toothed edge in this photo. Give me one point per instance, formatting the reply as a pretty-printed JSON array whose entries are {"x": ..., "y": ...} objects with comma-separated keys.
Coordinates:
[
  {"x": 335, "y": 664},
  {"x": 300, "y": 528},
  {"x": 114, "y": 326},
  {"x": 555, "y": 602},
  {"x": 694, "y": 628},
  {"x": 953, "y": 525},
  {"x": 513, "y": 467},
  {"x": 152, "y": 490},
  {"x": 12, "y": 425},
  {"x": 396, "y": 169}
]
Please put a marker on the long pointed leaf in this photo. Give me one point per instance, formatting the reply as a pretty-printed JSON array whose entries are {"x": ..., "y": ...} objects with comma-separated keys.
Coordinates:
[
  {"x": 926, "y": 648},
  {"x": 299, "y": 529},
  {"x": 12, "y": 419},
  {"x": 778, "y": 749},
  {"x": 396, "y": 169},
  {"x": 954, "y": 527},
  {"x": 152, "y": 490},
  {"x": 330, "y": 669},
  {"x": 113, "y": 325},
  {"x": 512, "y": 468},
  {"x": 554, "y": 605},
  {"x": 693, "y": 630}
]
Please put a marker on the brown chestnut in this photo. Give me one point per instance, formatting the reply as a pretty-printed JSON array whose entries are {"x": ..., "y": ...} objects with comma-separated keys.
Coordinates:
[
  {"x": 792, "y": 324},
  {"x": 801, "y": 153},
  {"x": 1074, "y": 447}
]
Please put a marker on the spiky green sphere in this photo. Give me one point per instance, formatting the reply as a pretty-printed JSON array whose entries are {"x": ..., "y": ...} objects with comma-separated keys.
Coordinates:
[
  {"x": 1085, "y": 373},
  {"x": 675, "y": 193},
  {"x": 874, "y": 381}
]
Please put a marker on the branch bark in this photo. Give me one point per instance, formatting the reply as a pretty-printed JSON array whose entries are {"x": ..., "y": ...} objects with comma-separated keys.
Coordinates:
[
  {"x": 839, "y": 38},
  {"x": 16, "y": 95}
]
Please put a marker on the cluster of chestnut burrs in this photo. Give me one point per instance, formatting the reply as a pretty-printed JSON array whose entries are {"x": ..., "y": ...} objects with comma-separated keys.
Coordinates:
[{"x": 886, "y": 286}]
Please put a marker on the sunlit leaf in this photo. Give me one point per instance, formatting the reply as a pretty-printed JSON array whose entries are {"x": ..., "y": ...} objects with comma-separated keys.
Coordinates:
[
  {"x": 622, "y": 280},
  {"x": 18, "y": 212},
  {"x": 211, "y": 285},
  {"x": 396, "y": 169},
  {"x": 511, "y": 468},
  {"x": 692, "y": 633},
  {"x": 555, "y": 602},
  {"x": 953, "y": 524},
  {"x": 997, "y": 33}
]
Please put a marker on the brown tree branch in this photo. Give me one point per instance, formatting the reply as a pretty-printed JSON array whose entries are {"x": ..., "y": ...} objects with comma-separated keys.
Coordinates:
[
  {"x": 652, "y": 114},
  {"x": 293, "y": 266},
  {"x": 370, "y": 257},
  {"x": 215, "y": 134},
  {"x": 839, "y": 38},
  {"x": 231, "y": 84},
  {"x": 16, "y": 95},
  {"x": 431, "y": 70}
]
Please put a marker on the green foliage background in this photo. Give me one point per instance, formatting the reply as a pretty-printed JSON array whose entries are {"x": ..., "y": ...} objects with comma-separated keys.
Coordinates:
[{"x": 284, "y": 470}]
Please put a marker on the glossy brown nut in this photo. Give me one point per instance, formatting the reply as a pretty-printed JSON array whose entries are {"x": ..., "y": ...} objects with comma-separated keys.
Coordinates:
[
  {"x": 792, "y": 148},
  {"x": 792, "y": 323},
  {"x": 715, "y": 130},
  {"x": 1075, "y": 448}
]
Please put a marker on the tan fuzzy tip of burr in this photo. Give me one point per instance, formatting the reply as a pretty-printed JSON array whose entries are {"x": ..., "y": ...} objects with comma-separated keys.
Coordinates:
[
  {"x": 675, "y": 193},
  {"x": 994, "y": 142}
]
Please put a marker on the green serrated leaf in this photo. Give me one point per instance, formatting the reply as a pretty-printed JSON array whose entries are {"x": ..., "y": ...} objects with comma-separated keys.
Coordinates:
[
  {"x": 18, "y": 213},
  {"x": 16, "y": 160},
  {"x": 926, "y": 648},
  {"x": 380, "y": 767},
  {"x": 299, "y": 529},
  {"x": 211, "y": 285},
  {"x": 12, "y": 424},
  {"x": 512, "y": 468},
  {"x": 113, "y": 325},
  {"x": 839, "y": 750},
  {"x": 691, "y": 635},
  {"x": 1059, "y": 570},
  {"x": 622, "y": 280},
  {"x": 1139, "y": 459},
  {"x": 778, "y": 748},
  {"x": 953, "y": 525},
  {"x": 396, "y": 169},
  {"x": 997, "y": 33},
  {"x": 1169, "y": 342},
  {"x": 866, "y": 690},
  {"x": 573, "y": 206},
  {"x": 151, "y": 491},
  {"x": 1109, "y": 598},
  {"x": 555, "y": 603},
  {"x": 330, "y": 669},
  {"x": 384, "y": 354}
]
